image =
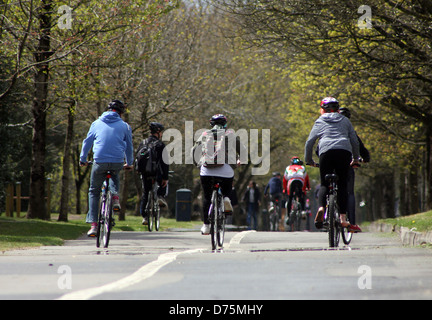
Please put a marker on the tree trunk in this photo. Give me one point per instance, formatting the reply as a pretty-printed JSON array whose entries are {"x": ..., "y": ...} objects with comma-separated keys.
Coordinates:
[
  {"x": 64, "y": 199},
  {"x": 428, "y": 178},
  {"x": 37, "y": 206}
]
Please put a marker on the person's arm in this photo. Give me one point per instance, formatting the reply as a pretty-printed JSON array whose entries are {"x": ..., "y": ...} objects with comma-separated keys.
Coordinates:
[
  {"x": 129, "y": 148},
  {"x": 87, "y": 145},
  {"x": 313, "y": 136}
]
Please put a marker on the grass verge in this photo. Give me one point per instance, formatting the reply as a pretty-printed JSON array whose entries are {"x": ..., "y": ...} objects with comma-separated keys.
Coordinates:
[
  {"x": 422, "y": 222},
  {"x": 21, "y": 233}
]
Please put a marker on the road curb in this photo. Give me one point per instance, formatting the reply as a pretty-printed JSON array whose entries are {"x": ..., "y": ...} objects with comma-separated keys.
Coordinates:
[{"x": 408, "y": 236}]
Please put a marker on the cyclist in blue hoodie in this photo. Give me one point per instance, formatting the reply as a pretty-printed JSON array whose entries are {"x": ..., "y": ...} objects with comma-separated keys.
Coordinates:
[
  {"x": 338, "y": 149},
  {"x": 111, "y": 139}
]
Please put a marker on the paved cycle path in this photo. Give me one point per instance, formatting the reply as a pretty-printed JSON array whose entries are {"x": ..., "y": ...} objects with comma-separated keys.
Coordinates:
[{"x": 252, "y": 265}]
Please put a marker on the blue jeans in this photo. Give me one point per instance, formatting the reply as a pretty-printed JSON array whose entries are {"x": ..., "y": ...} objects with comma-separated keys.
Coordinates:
[{"x": 96, "y": 181}]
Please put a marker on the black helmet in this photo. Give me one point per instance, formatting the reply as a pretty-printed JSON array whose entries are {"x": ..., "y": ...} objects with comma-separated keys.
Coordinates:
[
  {"x": 345, "y": 112},
  {"x": 156, "y": 127},
  {"x": 218, "y": 119},
  {"x": 117, "y": 105}
]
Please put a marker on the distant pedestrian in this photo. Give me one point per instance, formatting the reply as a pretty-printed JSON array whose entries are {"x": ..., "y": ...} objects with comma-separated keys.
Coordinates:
[{"x": 252, "y": 198}]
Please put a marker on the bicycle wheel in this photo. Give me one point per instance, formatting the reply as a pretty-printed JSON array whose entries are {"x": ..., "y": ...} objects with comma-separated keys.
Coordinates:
[
  {"x": 334, "y": 232},
  {"x": 212, "y": 219},
  {"x": 150, "y": 204},
  {"x": 156, "y": 215},
  {"x": 99, "y": 232},
  {"x": 220, "y": 224},
  {"x": 298, "y": 217},
  {"x": 105, "y": 221},
  {"x": 346, "y": 235}
]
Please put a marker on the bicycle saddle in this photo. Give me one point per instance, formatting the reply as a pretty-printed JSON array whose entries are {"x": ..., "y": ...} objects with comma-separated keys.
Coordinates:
[{"x": 331, "y": 176}]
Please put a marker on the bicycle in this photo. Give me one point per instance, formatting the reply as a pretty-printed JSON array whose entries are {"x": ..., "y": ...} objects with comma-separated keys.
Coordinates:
[
  {"x": 332, "y": 220},
  {"x": 217, "y": 216},
  {"x": 275, "y": 215},
  {"x": 105, "y": 215},
  {"x": 152, "y": 208},
  {"x": 295, "y": 215}
]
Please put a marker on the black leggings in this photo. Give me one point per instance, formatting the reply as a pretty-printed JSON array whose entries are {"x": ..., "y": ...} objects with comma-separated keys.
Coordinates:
[
  {"x": 335, "y": 161},
  {"x": 207, "y": 183}
]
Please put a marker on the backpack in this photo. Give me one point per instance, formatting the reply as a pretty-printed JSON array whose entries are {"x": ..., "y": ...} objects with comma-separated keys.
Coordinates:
[
  {"x": 146, "y": 159},
  {"x": 213, "y": 149}
]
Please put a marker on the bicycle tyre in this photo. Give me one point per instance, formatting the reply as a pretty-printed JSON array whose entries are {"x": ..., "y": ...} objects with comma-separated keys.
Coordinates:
[
  {"x": 334, "y": 232},
  {"x": 99, "y": 236},
  {"x": 212, "y": 219},
  {"x": 298, "y": 217},
  {"x": 156, "y": 216},
  {"x": 220, "y": 224},
  {"x": 105, "y": 221},
  {"x": 150, "y": 211},
  {"x": 346, "y": 236}
]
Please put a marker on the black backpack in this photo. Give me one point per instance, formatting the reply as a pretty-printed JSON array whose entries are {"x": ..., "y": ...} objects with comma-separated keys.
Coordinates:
[{"x": 146, "y": 159}]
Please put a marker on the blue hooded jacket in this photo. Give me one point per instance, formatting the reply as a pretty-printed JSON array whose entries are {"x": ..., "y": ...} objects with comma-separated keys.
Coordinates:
[{"x": 111, "y": 139}]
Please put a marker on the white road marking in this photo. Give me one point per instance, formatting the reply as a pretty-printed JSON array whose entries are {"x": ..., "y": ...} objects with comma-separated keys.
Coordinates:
[
  {"x": 238, "y": 237},
  {"x": 143, "y": 273}
]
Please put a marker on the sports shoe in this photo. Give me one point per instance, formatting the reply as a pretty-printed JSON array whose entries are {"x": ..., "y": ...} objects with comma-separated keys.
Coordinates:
[
  {"x": 162, "y": 202},
  {"x": 205, "y": 229},
  {"x": 227, "y": 205},
  {"x": 145, "y": 221},
  {"x": 354, "y": 228},
  {"x": 116, "y": 203},
  {"x": 93, "y": 230}
]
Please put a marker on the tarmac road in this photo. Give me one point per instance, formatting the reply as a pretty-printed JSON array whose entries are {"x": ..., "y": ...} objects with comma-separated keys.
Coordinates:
[{"x": 177, "y": 266}]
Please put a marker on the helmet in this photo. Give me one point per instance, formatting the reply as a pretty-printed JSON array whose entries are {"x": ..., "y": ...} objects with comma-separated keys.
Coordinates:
[
  {"x": 117, "y": 105},
  {"x": 218, "y": 119},
  {"x": 345, "y": 112},
  {"x": 156, "y": 127},
  {"x": 330, "y": 104},
  {"x": 295, "y": 160}
]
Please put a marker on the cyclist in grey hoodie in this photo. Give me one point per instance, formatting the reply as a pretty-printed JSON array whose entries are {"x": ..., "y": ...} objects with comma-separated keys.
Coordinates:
[{"x": 338, "y": 149}]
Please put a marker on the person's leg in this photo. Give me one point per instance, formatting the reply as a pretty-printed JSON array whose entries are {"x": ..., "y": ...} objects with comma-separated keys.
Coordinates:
[
  {"x": 147, "y": 185},
  {"x": 342, "y": 166},
  {"x": 206, "y": 183},
  {"x": 97, "y": 178}
]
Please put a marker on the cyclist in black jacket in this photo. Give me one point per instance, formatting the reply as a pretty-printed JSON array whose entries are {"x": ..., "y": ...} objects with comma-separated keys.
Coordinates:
[
  {"x": 156, "y": 131},
  {"x": 365, "y": 155}
]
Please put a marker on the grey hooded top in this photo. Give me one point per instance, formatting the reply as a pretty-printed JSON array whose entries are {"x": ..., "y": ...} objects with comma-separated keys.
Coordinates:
[{"x": 334, "y": 131}]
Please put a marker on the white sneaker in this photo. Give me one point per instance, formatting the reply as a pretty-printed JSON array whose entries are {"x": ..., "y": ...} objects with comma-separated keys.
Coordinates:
[
  {"x": 93, "y": 230},
  {"x": 227, "y": 205},
  {"x": 205, "y": 229},
  {"x": 162, "y": 202}
]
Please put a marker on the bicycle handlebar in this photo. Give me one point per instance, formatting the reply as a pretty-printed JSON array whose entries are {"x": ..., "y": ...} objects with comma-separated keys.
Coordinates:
[
  {"x": 90, "y": 163},
  {"x": 316, "y": 165}
]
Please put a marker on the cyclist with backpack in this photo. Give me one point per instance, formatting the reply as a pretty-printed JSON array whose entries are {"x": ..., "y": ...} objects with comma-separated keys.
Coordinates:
[
  {"x": 338, "y": 149},
  {"x": 215, "y": 152},
  {"x": 111, "y": 139},
  {"x": 150, "y": 165}
]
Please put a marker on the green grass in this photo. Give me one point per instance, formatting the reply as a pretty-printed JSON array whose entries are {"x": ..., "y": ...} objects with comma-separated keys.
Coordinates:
[
  {"x": 20, "y": 233},
  {"x": 421, "y": 221}
]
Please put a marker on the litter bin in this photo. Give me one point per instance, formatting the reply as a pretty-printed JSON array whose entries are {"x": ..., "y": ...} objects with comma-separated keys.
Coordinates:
[{"x": 183, "y": 208}]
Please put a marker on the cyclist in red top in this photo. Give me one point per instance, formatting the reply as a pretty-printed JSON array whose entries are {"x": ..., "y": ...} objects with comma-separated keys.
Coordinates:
[{"x": 295, "y": 180}]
